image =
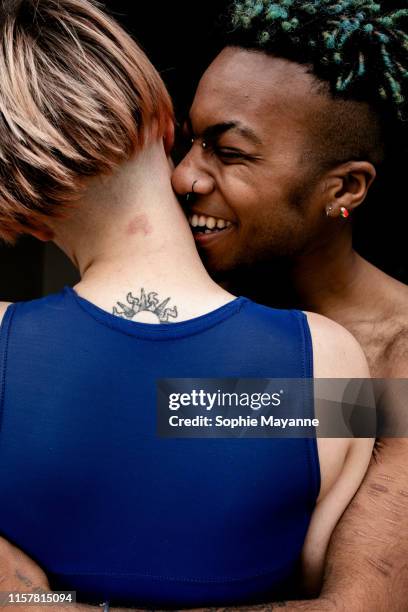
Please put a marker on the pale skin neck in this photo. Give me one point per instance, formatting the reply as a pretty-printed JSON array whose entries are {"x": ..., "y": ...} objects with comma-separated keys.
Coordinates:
[{"x": 128, "y": 232}]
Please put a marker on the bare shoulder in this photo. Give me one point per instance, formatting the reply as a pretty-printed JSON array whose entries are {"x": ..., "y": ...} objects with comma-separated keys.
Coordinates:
[
  {"x": 3, "y": 308},
  {"x": 393, "y": 359},
  {"x": 336, "y": 352}
]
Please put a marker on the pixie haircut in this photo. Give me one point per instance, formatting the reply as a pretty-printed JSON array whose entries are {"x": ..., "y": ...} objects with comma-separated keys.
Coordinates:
[{"x": 77, "y": 97}]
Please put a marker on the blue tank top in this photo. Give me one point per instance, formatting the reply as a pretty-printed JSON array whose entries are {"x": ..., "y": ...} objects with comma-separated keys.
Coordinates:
[{"x": 109, "y": 509}]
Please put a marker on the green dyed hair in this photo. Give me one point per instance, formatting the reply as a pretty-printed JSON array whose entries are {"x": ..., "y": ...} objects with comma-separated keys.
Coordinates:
[{"x": 360, "y": 47}]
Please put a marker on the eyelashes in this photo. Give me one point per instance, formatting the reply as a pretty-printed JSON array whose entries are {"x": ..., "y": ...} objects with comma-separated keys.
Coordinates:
[
  {"x": 225, "y": 154},
  {"x": 228, "y": 153}
]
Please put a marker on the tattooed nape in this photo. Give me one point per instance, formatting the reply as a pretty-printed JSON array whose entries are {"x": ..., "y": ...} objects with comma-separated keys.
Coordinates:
[{"x": 148, "y": 303}]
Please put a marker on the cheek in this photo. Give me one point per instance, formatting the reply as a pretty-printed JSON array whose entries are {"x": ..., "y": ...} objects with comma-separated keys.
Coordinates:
[
  {"x": 260, "y": 200},
  {"x": 242, "y": 194},
  {"x": 260, "y": 206},
  {"x": 269, "y": 221}
]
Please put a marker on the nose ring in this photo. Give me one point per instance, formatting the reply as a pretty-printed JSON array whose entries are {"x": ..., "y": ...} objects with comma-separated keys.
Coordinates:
[{"x": 190, "y": 193}]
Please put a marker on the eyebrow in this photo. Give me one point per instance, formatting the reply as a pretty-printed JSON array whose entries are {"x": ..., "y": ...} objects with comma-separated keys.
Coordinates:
[{"x": 214, "y": 131}]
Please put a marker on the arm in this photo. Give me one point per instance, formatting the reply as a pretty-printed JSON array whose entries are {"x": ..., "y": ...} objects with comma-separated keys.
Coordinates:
[
  {"x": 367, "y": 560},
  {"x": 372, "y": 538},
  {"x": 343, "y": 461},
  {"x": 19, "y": 573}
]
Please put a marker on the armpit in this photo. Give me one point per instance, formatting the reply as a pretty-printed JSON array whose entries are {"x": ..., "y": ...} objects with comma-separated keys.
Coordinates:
[{"x": 396, "y": 355}]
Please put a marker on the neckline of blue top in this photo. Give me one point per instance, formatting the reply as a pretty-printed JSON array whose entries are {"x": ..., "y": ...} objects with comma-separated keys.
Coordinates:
[{"x": 158, "y": 331}]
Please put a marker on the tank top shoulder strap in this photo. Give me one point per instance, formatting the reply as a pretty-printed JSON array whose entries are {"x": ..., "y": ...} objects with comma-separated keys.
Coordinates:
[
  {"x": 4, "y": 339},
  {"x": 306, "y": 341},
  {"x": 288, "y": 329}
]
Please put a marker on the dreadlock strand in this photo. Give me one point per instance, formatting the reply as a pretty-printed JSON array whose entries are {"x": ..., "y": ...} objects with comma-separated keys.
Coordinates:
[
  {"x": 263, "y": 37},
  {"x": 290, "y": 26},
  {"x": 342, "y": 84},
  {"x": 386, "y": 58},
  {"x": 395, "y": 88},
  {"x": 361, "y": 65},
  {"x": 276, "y": 12},
  {"x": 349, "y": 29},
  {"x": 398, "y": 14},
  {"x": 402, "y": 70}
]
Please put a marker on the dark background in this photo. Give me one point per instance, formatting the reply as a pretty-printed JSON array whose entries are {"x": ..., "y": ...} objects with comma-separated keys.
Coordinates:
[{"x": 177, "y": 36}]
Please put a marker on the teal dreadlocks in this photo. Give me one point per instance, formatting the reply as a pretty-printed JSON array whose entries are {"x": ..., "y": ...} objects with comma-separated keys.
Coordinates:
[{"x": 360, "y": 47}]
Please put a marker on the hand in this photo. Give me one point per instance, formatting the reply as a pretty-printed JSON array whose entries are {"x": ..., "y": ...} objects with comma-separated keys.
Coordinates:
[{"x": 18, "y": 572}]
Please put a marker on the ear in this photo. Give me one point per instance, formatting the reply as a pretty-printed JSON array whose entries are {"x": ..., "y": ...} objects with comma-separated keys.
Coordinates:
[
  {"x": 347, "y": 185},
  {"x": 169, "y": 136}
]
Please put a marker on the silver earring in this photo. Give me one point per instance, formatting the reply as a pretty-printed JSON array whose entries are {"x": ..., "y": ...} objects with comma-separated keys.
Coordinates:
[{"x": 329, "y": 210}]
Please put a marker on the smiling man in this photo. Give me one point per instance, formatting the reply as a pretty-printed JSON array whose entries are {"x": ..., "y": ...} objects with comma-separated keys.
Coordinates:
[
  {"x": 288, "y": 130},
  {"x": 257, "y": 156},
  {"x": 293, "y": 126}
]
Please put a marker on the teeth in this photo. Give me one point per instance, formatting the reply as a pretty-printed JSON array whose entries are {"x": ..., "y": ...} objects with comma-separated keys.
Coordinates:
[{"x": 208, "y": 222}]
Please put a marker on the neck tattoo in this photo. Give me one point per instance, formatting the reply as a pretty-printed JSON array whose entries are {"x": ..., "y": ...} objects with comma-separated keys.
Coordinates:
[{"x": 148, "y": 303}]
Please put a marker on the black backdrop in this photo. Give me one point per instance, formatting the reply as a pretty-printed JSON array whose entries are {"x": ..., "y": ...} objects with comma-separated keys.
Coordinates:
[{"x": 177, "y": 37}]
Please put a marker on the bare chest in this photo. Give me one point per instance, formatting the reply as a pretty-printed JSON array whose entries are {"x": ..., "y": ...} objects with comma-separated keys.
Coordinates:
[{"x": 385, "y": 343}]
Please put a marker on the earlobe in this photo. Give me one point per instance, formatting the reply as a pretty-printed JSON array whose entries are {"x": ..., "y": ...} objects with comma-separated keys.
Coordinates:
[
  {"x": 43, "y": 233},
  {"x": 168, "y": 138},
  {"x": 335, "y": 211},
  {"x": 350, "y": 188}
]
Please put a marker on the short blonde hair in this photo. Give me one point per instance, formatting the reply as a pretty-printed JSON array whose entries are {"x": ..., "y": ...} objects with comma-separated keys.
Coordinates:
[{"x": 77, "y": 97}]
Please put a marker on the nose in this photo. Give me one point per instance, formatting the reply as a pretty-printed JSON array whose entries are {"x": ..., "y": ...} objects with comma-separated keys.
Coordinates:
[{"x": 192, "y": 176}]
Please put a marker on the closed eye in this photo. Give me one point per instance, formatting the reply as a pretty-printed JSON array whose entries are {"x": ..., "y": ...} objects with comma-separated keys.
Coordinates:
[
  {"x": 228, "y": 153},
  {"x": 225, "y": 153}
]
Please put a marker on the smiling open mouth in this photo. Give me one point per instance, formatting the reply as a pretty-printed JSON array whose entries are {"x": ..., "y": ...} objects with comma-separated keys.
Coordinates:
[{"x": 201, "y": 224}]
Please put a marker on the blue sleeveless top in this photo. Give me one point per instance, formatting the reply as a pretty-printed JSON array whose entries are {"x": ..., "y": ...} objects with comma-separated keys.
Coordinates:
[{"x": 112, "y": 511}]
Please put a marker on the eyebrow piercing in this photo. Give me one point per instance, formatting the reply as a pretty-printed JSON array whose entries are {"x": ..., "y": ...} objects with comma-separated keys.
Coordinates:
[{"x": 204, "y": 144}]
